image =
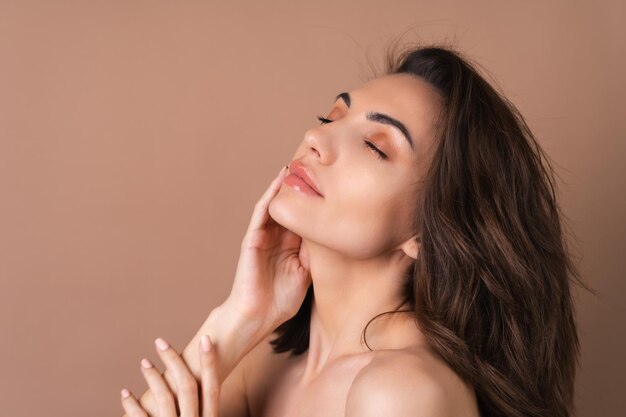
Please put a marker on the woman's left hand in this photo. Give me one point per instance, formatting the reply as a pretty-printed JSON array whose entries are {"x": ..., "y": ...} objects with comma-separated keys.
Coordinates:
[{"x": 188, "y": 396}]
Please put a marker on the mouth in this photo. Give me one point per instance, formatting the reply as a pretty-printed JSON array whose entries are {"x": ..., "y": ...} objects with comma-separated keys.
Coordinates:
[
  {"x": 299, "y": 184},
  {"x": 301, "y": 178}
]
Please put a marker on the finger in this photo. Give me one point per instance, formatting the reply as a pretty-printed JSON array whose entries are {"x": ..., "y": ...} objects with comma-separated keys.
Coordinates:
[
  {"x": 209, "y": 378},
  {"x": 260, "y": 214},
  {"x": 161, "y": 391},
  {"x": 131, "y": 405},
  {"x": 186, "y": 385}
]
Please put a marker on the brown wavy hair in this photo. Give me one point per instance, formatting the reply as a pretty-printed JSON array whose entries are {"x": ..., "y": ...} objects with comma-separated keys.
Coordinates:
[{"x": 491, "y": 287}]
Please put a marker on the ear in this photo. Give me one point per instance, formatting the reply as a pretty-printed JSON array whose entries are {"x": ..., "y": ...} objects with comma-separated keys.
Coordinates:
[{"x": 411, "y": 247}]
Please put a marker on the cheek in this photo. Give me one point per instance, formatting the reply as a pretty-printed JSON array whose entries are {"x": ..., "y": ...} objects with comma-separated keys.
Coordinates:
[
  {"x": 362, "y": 216},
  {"x": 368, "y": 219}
]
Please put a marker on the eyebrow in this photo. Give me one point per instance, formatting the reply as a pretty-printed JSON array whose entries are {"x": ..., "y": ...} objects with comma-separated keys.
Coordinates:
[{"x": 381, "y": 118}]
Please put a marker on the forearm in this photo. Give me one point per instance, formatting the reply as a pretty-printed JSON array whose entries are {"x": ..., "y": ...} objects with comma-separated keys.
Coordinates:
[{"x": 233, "y": 335}]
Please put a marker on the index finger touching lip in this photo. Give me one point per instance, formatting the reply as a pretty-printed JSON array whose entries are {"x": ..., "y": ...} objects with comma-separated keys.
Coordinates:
[
  {"x": 275, "y": 184},
  {"x": 260, "y": 214}
]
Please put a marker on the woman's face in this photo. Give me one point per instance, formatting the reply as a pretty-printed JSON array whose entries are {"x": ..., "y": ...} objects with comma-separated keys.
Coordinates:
[{"x": 367, "y": 199}]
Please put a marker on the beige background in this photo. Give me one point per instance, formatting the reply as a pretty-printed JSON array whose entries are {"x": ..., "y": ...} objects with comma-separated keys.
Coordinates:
[{"x": 136, "y": 136}]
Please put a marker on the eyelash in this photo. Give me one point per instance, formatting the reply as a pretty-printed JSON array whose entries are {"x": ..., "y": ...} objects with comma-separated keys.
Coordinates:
[{"x": 368, "y": 144}]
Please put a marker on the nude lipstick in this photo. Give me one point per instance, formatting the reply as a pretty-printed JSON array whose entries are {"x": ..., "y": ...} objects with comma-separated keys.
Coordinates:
[{"x": 301, "y": 179}]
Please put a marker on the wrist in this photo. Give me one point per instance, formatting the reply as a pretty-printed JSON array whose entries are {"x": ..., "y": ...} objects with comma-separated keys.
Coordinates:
[
  {"x": 233, "y": 334},
  {"x": 229, "y": 323},
  {"x": 246, "y": 320}
]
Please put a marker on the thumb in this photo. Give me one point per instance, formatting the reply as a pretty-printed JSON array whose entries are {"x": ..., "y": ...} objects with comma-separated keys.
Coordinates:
[{"x": 303, "y": 254}]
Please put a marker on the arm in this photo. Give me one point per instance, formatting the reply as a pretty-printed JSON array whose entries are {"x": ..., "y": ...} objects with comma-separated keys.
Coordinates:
[
  {"x": 270, "y": 284},
  {"x": 234, "y": 336}
]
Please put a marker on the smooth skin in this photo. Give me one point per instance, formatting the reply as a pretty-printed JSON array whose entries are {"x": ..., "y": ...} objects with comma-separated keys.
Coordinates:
[
  {"x": 353, "y": 244},
  {"x": 186, "y": 386}
]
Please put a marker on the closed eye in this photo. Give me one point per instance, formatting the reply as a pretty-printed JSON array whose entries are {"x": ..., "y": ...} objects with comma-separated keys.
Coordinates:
[
  {"x": 323, "y": 120},
  {"x": 369, "y": 145}
]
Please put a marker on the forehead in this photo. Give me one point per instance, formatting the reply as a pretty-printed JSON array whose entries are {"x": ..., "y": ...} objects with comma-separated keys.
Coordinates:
[
  {"x": 403, "y": 96},
  {"x": 406, "y": 89}
]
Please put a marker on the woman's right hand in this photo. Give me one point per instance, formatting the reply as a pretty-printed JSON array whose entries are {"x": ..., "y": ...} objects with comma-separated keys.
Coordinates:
[{"x": 272, "y": 274}]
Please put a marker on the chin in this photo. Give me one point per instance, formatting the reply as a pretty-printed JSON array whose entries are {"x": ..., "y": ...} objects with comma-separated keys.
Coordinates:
[{"x": 290, "y": 213}]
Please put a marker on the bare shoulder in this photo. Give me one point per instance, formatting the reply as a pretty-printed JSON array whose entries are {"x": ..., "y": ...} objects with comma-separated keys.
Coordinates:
[{"x": 410, "y": 382}]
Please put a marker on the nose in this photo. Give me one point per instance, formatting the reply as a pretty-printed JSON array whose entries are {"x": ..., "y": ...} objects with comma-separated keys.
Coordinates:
[{"x": 317, "y": 141}]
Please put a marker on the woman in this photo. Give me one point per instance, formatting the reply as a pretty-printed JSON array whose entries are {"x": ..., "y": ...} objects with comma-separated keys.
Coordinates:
[{"x": 423, "y": 194}]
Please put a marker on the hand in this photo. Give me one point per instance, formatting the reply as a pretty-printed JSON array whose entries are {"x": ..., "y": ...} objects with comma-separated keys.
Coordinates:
[
  {"x": 186, "y": 384},
  {"x": 272, "y": 274}
]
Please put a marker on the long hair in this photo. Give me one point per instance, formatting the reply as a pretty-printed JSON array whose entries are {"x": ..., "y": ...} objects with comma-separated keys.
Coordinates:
[{"x": 491, "y": 287}]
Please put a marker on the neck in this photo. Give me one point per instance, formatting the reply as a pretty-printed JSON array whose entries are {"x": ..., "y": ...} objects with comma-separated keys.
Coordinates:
[{"x": 348, "y": 293}]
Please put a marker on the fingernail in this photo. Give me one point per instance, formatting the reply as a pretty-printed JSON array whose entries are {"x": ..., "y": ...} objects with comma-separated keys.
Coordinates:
[
  {"x": 161, "y": 344},
  {"x": 206, "y": 343},
  {"x": 283, "y": 169},
  {"x": 125, "y": 393},
  {"x": 146, "y": 363}
]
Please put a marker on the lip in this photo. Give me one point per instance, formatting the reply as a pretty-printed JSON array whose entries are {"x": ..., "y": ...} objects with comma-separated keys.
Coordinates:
[{"x": 300, "y": 170}]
